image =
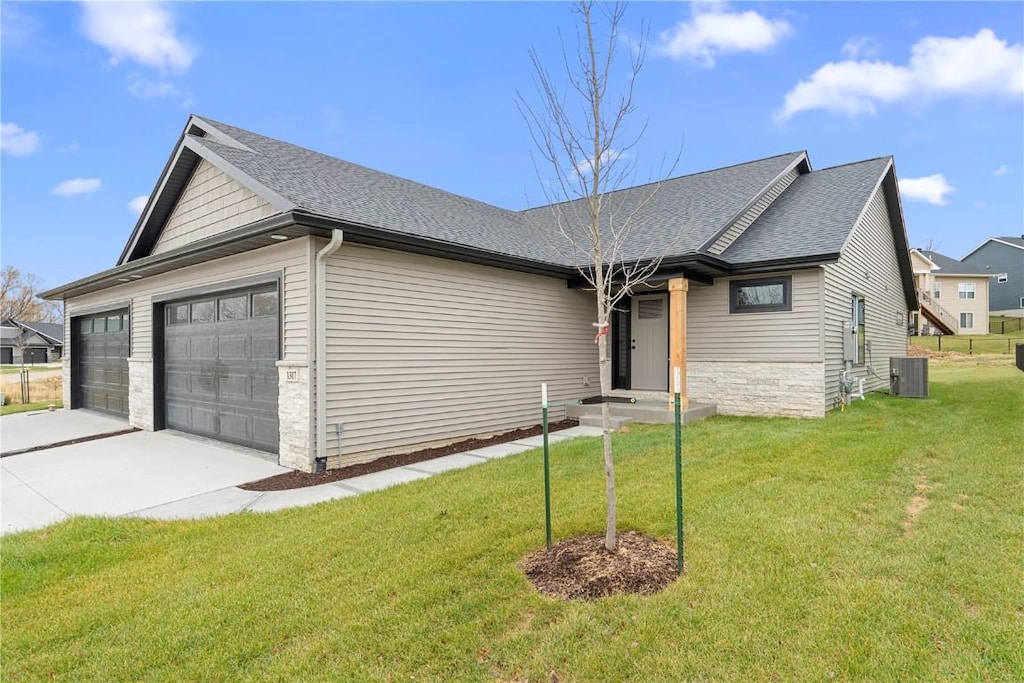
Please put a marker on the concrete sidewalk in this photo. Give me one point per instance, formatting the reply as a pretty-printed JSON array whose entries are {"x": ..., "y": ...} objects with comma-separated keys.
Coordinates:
[
  {"x": 233, "y": 499},
  {"x": 165, "y": 475}
]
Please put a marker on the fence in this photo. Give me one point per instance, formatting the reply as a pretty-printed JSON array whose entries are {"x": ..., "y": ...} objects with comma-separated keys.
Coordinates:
[
  {"x": 1006, "y": 326},
  {"x": 966, "y": 344}
]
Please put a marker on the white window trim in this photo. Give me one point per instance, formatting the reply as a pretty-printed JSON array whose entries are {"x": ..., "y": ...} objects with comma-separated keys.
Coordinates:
[{"x": 966, "y": 291}]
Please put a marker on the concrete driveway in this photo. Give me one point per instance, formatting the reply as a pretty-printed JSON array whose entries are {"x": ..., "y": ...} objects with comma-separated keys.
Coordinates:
[{"x": 111, "y": 476}]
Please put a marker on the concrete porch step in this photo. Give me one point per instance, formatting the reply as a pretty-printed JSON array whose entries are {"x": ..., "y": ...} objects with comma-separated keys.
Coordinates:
[
  {"x": 649, "y": 412},
  {"x": 595, "y": 421}
]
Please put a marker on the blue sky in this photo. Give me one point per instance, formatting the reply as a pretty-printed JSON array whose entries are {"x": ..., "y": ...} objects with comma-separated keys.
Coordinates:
[{"x": 94, "y": 97}]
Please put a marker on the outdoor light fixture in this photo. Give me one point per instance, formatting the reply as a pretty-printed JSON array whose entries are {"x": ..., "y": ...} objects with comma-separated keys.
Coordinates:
[{"x": 279, "y": 237}]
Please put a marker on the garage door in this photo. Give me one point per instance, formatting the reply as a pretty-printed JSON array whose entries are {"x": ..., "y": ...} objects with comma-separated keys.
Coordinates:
[
  {"x": 35, "y": 355},
  {"x": 101, "y": 362},
  {"x": 7, "y": 356},
  {"x": 220, "y": 367}
]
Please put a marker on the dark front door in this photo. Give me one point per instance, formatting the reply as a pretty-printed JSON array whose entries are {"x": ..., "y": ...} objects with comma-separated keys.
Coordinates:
[
  {"x": 220, "y": 367},
  {"x": 7, "y": 355},
  {"x": 100, "y": 367}
]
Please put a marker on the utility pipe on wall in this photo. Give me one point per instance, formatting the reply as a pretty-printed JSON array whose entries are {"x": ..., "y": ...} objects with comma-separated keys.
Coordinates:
[{"x": 320, "y": 362}]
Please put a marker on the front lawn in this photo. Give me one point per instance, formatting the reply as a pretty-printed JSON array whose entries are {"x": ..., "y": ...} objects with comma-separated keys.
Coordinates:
[
  {"x": 28, "y": 407},
  {"x": 884, "y": 543}
]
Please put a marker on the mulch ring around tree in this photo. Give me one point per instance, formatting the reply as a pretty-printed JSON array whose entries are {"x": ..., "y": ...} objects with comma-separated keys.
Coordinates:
[
  {"x": 298, "y": 480},
  {"x": 581, "y": 569}
]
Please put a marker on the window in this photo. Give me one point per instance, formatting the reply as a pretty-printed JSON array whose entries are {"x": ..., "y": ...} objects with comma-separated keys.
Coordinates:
[
  {"x": 1002, "y": 277},
  {"x": 87, "y": 326},
  {"x": 937, "y": 290},
  {"x": 177, "y": 314},
  {"x": 114, "y": 323},
  {"x": 965, "y": 290},
  {"x": 264, "y": 304},
  {"x": 233, "y": 307},
  {"x": 765, "y": 294},
  {"x": 203, "y": 312},
  {"x": 966, "y": 321},
  {"x": 858, "y": 325},
  {"x": 99, "y": 324}
]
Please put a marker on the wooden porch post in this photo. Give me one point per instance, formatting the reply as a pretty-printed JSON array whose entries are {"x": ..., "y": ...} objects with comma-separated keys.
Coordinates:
[{"x": 677, "y": 289}]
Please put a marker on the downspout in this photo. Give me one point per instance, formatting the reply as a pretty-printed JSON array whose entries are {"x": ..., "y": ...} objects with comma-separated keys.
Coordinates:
[{"x": 320, "y": 362}]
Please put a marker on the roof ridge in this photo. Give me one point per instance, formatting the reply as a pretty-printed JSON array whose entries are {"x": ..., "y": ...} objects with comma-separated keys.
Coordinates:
[
  {"x": 357, "y": 165},
  {"x": 673, "y": 178},
  {"x": 884, "y": 157}
]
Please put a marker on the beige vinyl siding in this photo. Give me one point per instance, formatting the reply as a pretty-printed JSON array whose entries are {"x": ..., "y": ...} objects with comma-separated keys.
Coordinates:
[
  {"x": 422, "y": 349},
  {"x": 291, "y": 257},
  {"x": 867, "y": 266},
  {"x": 715, "y": 334},
  {"x": 952, "y": 302},
  {"x": 211, "y": 203},
  {"x": 751, "y": 214}
]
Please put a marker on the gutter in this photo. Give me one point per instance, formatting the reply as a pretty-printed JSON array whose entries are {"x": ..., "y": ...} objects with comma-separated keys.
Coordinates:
[{"x": 320, "y": 334}]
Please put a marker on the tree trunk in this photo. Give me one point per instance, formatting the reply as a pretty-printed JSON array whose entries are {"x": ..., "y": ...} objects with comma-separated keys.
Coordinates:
[{"x": 606, "y": 428}]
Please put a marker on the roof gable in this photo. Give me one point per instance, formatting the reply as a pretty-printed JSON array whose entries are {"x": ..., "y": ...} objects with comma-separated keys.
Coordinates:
[{"x": 950, "y": 266}]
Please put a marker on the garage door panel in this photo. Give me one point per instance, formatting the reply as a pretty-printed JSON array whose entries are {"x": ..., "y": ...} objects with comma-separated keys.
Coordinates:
[
  {"x": 100, "y": 367},
  {"x": 230, "y": 360},
  {"x": 233, "y": 348}
]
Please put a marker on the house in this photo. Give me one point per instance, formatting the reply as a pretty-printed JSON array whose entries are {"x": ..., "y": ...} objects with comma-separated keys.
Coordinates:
[
  {"x": 30, "y": 343},
  {"x": 436, "y": 317},
  {"x": 1003, "y": 259},
  {"x": 953, "y": 295}
]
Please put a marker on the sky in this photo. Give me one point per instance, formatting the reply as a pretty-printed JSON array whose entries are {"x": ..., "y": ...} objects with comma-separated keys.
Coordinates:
[{"x": 93, "y": 97}]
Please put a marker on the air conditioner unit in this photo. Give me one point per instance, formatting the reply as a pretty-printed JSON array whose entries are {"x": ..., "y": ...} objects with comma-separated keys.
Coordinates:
[{"x": 908, "y": 377}]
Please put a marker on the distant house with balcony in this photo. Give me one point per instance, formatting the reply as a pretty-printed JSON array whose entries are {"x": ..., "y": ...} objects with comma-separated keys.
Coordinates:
[
  {"x": 953, "y": 295},
  {"x": 1002, "y": 258}
]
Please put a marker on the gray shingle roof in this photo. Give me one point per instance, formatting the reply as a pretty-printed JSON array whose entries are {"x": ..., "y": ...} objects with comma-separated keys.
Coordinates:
[
  {"x": 950, "y": 266},
  {"x": 683, "y": 213},
  {"x": 812, "y": 217},
  {"x": 1018, "y": 241},
  {"x": 338, "y": 189}
]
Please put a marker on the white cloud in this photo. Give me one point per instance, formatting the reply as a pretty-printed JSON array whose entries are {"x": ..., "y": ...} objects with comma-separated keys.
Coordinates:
[
  {"x": 972, "y": 66},
  {"x": 18, "y": 29},
  {"x": 861, "y": 46},
  {"x": 585, "y": 167},
  {"x": 931, "y": 189},
  {"x": 146, "y": 90},
  {"x": 714, "y": 30},
  {"x": 138, "y": 205},
  {"x": 76, "y": 186},
  {"x": 16, "y": 141},
  {"x": 140, "y": 31},
  {"x": 1002, "y": 170}
]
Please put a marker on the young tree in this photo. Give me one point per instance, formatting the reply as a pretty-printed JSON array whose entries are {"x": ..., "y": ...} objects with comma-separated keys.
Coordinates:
[
  {"x": 19, "y": 298},
  {"x": 582, "y": 136}
]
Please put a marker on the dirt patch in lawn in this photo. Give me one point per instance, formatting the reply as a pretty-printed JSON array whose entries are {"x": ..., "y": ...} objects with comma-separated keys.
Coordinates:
[
  {"x": 298, "y": 480},
  {"x": 581, "y": 569},
  {"x": 918, "y": 502}
]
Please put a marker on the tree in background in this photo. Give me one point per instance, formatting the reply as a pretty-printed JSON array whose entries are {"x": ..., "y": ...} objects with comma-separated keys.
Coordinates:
[
  {"x": 19, "y": 298},
  {"x": 582, "y": 135}
]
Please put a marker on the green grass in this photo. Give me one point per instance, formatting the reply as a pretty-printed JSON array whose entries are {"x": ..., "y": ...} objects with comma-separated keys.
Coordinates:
[
  {"x": 26, "y": 407},
  {"x": 798, "y": 565},
  {"x": 15, "y": 369},
  {"x": 976, "y": 344}
]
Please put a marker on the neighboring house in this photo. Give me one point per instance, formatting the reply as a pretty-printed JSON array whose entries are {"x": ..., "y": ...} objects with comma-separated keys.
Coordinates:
[
  {"x": 296, "y": 303},
  {"x": 1003, "y": 259},
  {"x": 953, "y": 295},
  {"x": 30, "y": 342}
]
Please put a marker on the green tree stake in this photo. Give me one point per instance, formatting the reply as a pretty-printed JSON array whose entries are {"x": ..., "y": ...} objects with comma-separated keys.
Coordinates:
[
  {"x": 679, "y": 477},
  {"x": 547, "y": 469}
]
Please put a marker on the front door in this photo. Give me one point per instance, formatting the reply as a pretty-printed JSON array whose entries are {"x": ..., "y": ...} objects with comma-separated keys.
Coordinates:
[{"x": 649, "y": 347}]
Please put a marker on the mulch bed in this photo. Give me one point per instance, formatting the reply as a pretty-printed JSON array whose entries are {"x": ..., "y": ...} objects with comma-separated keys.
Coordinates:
[
  {"x": 298, "y": 480},
  {"x": 581, "y": 569}
]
